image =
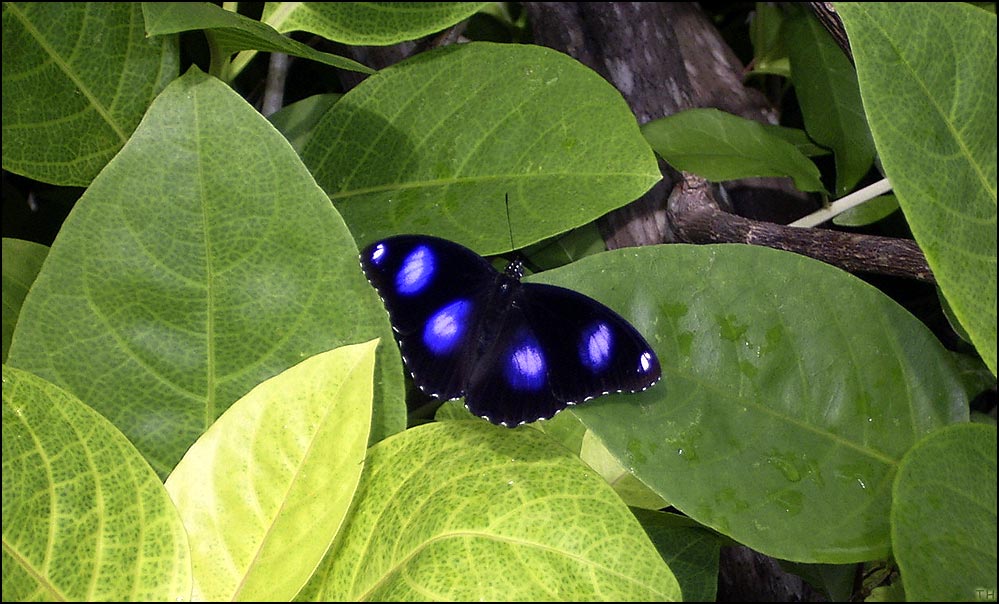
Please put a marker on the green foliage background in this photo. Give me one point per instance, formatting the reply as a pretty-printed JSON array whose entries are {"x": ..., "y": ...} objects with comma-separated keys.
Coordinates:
[{"x": 202, "y": 397}]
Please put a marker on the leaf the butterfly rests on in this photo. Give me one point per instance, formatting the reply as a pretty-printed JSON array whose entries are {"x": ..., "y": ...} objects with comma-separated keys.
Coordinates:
[{"x": 518, "y": 352}]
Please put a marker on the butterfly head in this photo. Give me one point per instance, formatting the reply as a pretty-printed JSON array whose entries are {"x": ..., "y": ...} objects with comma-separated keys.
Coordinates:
[{"x": 515, "y": 270}]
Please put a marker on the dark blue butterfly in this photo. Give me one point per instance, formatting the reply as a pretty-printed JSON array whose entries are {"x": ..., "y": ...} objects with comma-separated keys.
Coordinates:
[{"x": 517, "y": 352}]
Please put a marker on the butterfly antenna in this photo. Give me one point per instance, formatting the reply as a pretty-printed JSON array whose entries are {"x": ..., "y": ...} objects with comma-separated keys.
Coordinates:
[
  {"x": 509, "y": 225},
  {"x": 516, "y": 267}
]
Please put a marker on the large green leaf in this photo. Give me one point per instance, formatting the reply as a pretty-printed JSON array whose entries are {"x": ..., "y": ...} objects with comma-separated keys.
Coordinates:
[
  {"x": 77, "y": 78},
  {"x": 826, "y": 86},
  {"x": 21, "y": 262},
  {"x": 203, "y": 260},
  {"x": 690, "y": 550},
  {"x": 927, "y": 76},
  {"x": 231, "y": 32},
  {"x": 436, "y": 145},
  {"x": 84, "y": 516},
  {"x": 368, "y": 23},
  {"x": 298, "y": 120},
  {"x": 943, "y": 517},
  {"x": 266, "y": 488},
  {"x": 721, "y": 146},
  {"x": 464, "y": 510},
  {"x": 790, "y": 392}
]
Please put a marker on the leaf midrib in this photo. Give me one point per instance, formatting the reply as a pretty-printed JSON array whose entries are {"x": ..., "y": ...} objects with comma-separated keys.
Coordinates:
[
  {"x": 67, "y": 70},
  {"x": 932, "y": 102}
]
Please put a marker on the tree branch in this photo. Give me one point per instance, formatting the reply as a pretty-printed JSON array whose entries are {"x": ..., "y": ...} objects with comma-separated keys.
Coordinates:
[{"x": 696, "y": 218}]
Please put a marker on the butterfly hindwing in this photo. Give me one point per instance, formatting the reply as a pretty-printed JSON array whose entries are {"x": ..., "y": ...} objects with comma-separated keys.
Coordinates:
[
  {"x": 516, "y": 351},
  {"x": 511, "y": 383},
  {"x": 557, "y": 347}
]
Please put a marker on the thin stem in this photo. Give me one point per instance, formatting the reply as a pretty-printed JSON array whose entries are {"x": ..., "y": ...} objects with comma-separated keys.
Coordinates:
[
  {"x": 843, "y": 204},
  {"x": 235, "y": 66},
  {"x": 241, "y": 60},
  {"x": 219, "y": 63}
]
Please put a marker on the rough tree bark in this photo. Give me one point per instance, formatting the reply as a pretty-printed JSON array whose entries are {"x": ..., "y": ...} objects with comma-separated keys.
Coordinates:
[
  {"x": 666, "y": 57},
  {"x": 624, "y": 43},
  {"x": 696, "y": 216}
]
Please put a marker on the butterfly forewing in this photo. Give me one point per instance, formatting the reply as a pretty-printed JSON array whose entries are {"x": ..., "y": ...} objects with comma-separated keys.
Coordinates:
[{"x": 432, "y": 290}]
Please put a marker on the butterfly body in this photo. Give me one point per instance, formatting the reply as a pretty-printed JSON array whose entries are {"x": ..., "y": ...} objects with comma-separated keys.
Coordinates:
[{"x": 517, "y": 352}]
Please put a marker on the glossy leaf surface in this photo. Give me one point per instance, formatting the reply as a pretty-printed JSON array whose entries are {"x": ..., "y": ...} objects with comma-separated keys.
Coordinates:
[{"x": 790, "y": 392}]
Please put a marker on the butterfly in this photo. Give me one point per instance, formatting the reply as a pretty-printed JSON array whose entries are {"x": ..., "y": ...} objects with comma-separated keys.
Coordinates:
[{"x": 518, "y": 352}]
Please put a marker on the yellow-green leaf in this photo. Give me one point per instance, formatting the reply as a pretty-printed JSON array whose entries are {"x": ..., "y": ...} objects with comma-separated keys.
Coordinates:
[
  {"x": 84, "y": 516},
  {"x": 266, "y": 488},
  {"x": 368, "y": 23},
  {"x": 203, "y": 260},
  {"x": 464, "y": 510}
]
